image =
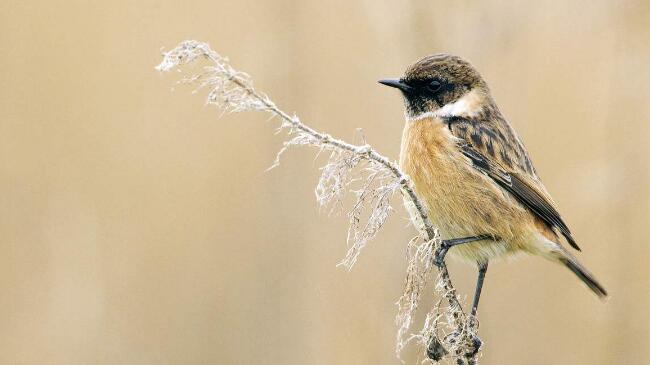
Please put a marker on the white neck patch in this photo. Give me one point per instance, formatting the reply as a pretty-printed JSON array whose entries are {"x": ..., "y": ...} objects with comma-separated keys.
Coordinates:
[{"x": 469, "y": 105}]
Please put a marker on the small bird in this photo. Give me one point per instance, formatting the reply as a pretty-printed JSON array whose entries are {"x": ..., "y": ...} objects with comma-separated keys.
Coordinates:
[{"x": 473, "y": 173}]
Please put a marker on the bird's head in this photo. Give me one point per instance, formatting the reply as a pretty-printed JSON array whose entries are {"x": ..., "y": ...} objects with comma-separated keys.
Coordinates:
[{"x": 441, "y": 85}]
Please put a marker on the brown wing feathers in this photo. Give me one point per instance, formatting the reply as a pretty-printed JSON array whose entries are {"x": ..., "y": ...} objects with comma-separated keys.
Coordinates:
[
  {"x": 538, "y": 204},
  {"x": 505, "y": 161}
]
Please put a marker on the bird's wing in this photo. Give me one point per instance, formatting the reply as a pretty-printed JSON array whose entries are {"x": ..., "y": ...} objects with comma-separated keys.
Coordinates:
[{"x": 494, "y": 149}]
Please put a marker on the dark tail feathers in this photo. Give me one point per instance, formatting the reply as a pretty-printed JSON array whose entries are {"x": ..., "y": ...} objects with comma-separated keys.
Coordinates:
[{"x": 585, "y": 276}]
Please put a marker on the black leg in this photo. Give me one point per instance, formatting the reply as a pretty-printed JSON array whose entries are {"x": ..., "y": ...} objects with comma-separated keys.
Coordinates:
[
  {"x": 445, "y": 245},
  {"x": 482, "y": 269}
]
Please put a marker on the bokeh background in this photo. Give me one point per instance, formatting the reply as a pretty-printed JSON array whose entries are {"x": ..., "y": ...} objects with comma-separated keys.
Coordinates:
[{"x": 138, "y": 227}]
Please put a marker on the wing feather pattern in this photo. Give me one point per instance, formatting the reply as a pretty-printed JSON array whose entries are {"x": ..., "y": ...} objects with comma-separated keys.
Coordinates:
[{"x": 511, "y": 170}]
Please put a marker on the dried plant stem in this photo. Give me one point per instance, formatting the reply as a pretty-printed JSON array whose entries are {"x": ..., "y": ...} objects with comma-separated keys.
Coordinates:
[
  {"x": 233, "y": 91},
  {"x": 405, "y": 182}
]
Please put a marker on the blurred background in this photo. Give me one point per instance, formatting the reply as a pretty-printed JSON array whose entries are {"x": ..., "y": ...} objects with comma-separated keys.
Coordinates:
[{"x": 138, "y": 227}]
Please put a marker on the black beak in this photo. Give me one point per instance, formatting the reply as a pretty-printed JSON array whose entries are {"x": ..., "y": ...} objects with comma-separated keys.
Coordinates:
[{"x": 396, "y": 83}]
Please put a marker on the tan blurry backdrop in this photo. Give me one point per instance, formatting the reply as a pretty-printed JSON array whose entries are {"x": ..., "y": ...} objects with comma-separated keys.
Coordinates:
[{"x": 138, "y": 228}]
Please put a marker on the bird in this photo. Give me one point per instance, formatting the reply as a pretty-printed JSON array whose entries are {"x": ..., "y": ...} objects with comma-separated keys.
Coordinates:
[{"x": 473, "y": 174}]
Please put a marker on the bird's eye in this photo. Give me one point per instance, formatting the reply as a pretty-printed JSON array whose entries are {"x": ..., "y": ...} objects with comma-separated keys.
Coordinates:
[{"x": 434, "y": 86}]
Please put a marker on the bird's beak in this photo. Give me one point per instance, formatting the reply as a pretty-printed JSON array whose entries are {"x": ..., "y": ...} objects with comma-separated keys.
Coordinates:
[{"x": 396, "y": 83}]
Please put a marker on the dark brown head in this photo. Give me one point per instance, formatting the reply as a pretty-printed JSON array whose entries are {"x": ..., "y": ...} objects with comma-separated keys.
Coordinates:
[{"x": 438, "y": 83}]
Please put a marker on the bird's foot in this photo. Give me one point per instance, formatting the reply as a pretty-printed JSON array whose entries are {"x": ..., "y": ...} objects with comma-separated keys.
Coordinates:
[
  {"x": 445, "y": 245},
  {"x": 441, "y": 252},
  {"x": 470, "y": 344}
]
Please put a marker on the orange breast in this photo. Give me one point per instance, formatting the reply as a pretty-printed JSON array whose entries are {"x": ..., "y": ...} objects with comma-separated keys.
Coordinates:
[{"x": 461, "y": 201}]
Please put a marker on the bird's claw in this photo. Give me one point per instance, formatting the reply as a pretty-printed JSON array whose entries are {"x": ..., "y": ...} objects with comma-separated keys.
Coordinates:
[
  {"x": 477, "y": 344},
  {"x": 473, "y": 344},
  {"x": 439, "y": 255}
]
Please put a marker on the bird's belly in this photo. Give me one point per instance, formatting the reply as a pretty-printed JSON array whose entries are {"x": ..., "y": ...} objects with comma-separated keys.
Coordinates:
[
  {"x": 462, "y": 202},
  {"x": 458, "y": 215}
]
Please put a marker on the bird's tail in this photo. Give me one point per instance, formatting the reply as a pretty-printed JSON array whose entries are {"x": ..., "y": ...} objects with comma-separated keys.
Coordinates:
[{"x": 581, "y": 272}]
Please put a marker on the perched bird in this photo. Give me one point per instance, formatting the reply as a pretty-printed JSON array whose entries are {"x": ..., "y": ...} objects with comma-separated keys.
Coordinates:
[{"x": 474, "y": 174}]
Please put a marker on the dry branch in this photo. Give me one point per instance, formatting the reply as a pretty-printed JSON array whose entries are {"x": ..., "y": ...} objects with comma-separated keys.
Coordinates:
[{"x": 377, "y": 179}]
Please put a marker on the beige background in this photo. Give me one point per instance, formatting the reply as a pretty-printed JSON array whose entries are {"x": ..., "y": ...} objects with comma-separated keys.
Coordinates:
[{"x": 136, "y": 227}]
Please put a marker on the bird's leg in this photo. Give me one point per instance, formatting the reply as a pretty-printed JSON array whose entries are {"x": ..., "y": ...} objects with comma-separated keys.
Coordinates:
[
  {"x": 438, "y": 260},
  {"x": 476, "y": 342},
  {"x": 445, "y": 245},
  {"x": 482, "y": 269}
]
